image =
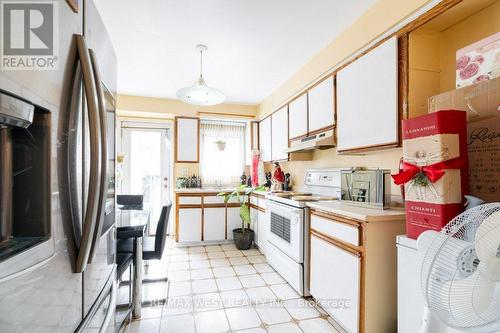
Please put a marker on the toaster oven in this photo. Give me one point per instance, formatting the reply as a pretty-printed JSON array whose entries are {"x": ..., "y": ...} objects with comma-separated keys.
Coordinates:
[{"x": 369, "y": 188}]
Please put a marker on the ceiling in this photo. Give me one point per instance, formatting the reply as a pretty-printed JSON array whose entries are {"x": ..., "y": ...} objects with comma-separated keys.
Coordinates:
[{"x": 253, "y": 45}]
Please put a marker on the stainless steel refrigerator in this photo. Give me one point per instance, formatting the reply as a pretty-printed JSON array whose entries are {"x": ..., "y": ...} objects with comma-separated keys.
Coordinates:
[{"x": 57, "y": 251}]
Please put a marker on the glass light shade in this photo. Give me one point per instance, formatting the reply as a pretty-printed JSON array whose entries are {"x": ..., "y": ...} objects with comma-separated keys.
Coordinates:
[{"x": 200, "y": 94}]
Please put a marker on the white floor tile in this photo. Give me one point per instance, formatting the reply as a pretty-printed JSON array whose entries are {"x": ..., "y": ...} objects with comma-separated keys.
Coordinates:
[
  {"x": 219, "y": 262},
  {"x": 178, "y": 305},
  {"x": 144, "y": 326},
  {"x": 177, "y": 276},
  {"x": 235, "y": 298},
  {"x": 242, "y": 318},
  {"x": 216, "y": 255},
  {"x": 251, "y": 252},
  {"x": 207, "y": 302},
  {"x": 179, "y": 289},
  {"x": 239, "y": 261},
  {"x": 203, "y": 286},
  {"x": 178, "y": 266},
  {"x": 213, "y": 248},
  {"x": 178, "y": 324},
  {"x": 284, "y": 328},
  {"x": 228, "y": 283},
  {"x": 252, "y": 330},
  {"x": 179, "y": 258},
  {"x": 263, "y": 268},
  {"x": 251, "y": 281},
  {"x": 261, "y": 295},
  {"x": 257, "y": 259},
  {"x": 154, "y": 291},
  {"x": 150, "y": 312},
  {"x": 211, "y": 322},
  {"x": 244, "y": 270},
  {"x": 223, "y": 271},
  {"x": 197, "y": 249},
  {"x": 272, "y": 313},
  {"x": 317, "y": 325},
  {"x": 198, "y": 256},
  {"x": 301, "y": 309},
  {"x": 234, "y": 254},
  {"x": 199, "y": 264},
  {"x": 284, "y": 291},
  {"x": 272, "y": 278},
  {"x": 229, "y": 247},
  {"x": 200, "y": 274}
]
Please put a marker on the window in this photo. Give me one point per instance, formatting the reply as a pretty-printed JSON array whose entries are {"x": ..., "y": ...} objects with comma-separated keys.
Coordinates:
[{"x": 222, "y": 148}]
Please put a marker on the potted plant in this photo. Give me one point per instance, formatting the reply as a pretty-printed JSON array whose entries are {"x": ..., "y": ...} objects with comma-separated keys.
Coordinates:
[
  {"x": 243, "y": 237},
  {"x": 221, "y": 145}
]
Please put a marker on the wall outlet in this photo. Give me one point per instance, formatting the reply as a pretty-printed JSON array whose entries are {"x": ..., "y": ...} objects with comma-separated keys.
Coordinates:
[{"x": 184, "y": 172}]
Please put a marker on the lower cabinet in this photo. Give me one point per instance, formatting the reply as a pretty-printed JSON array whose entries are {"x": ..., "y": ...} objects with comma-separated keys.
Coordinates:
[
  {"x": 254, "y": 215},
  {"x": 189, "y": 224},
  {"x": 214, "y": 223},
  {"x": 335, "y": 282},
  {"x": 233, "y": 220}
]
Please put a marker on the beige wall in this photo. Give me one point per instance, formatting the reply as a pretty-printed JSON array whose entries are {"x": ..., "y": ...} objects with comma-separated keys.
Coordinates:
[
  {"x": 131, "y": 107},
  {"x": 168, "y": 108}
]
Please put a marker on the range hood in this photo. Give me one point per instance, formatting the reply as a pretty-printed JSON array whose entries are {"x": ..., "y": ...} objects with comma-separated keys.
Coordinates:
[
  {"x": 15, "y": 111},
  {"x": 322, "y": 140}
]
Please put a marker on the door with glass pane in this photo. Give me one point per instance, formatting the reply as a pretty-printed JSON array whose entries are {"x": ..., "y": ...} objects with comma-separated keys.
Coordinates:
[{"x": 146, "y": 165}]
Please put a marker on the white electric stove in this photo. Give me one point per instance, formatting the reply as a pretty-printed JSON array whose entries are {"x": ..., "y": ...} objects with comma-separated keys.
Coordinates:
[{"x": 288, "y": 225}]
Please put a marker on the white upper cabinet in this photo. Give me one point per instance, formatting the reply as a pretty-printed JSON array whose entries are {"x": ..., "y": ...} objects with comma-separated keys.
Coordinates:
[
  {"x": 265, "y": 139},
  {"x": 367, "y": 100},
  {"x": 321, "y": 105},
  {"x": 279, "y": 134},
  {"x": 297, "y": 113},
  {"x": 187, "y": 139}
]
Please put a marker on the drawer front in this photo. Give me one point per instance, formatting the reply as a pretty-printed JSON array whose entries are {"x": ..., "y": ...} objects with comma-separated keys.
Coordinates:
[
  {"x": 254, "y": 200},
  {"x": 189, "y": 200},
  {"x": 213, "y": 200},
  {"x": 338, "y": 230}
]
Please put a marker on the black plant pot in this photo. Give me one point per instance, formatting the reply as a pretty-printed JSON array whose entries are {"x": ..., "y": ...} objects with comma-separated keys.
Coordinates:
[{"x": 243, "y": 240}]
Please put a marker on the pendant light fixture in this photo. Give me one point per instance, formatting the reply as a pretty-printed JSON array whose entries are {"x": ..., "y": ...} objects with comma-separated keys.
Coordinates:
[{"x": 199, "y": 93}]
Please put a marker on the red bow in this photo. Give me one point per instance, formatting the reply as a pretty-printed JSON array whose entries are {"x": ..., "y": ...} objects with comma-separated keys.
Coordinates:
[{"x": 434, "y": 171}]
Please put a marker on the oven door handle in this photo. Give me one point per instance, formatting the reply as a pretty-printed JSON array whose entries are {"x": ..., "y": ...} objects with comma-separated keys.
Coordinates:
[
  {"x": 101, "y": 105},
  {"x": 279, "y": 205},
  {"x": 89, "y": 219}
]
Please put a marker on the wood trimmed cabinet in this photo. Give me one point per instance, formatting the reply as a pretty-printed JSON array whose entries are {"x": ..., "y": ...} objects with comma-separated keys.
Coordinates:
[
  {"x": 353, "y": 270},
  {"x": 259, "y": 221},
  {"x": 321, "y": 106},
  {"x": 187, "y": 139},
  {"x": 265, "y": 139},
  {"x": 279, "y": 134},
  {"x": 204, "y": 217},
  {"x": 298, "y": 117}
]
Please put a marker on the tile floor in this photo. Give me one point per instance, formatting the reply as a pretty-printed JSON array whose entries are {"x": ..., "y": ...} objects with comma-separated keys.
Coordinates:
[{"x": 216, "y": 289}]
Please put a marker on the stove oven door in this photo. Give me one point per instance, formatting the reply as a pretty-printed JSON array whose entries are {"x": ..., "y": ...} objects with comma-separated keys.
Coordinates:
[{"x": 286, "y": 229}]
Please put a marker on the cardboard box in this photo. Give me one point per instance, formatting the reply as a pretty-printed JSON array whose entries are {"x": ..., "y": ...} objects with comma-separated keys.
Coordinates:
[
  {"x": 478, "y": 62},
  {"x": 480, "y": 100},
  {"x": 434, "y": 143}
]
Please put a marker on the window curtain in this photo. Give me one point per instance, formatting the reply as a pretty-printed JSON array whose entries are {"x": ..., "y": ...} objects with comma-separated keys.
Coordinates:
[{"x": 222, "y": 165}]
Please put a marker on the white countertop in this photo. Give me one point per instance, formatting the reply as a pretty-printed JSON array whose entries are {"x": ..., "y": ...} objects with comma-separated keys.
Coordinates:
[
  {"x": 211, "y": 190},
  {"x": 359, "y": 213}
]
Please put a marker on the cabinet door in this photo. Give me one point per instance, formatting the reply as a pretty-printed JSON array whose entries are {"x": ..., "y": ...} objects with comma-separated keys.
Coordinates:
[
  {"x": 189, "y": 224},
  {"x": 214, "y": 223},
  {"x": 187, "y": 139},
  {"x": 265, "y": 139},
  {"x": 321, "y": 105},
  {"x": 367, "y": 100},
  {"x": 254, "y": 215},
  {"x": 279, "y": 134},
  {"x": 262, "y": 231},
  {"x": 335, "y": 275},
  {"x": 297, "y": 116},
  {"x": 233, "y": 220}
]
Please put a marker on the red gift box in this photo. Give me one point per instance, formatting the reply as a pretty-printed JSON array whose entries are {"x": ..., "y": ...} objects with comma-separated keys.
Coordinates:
[{"x": 435, "y": 171}]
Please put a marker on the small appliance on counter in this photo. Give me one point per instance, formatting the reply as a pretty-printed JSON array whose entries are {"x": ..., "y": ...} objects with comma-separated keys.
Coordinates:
[{"x": 370, "y": 188}]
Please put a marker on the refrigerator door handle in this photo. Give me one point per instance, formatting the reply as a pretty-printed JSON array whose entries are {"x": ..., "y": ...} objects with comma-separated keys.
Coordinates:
[
  {"x": 111, "y": 309},
  {"x": 101, "y": 206},
  {"x": 92, "y": 197}
]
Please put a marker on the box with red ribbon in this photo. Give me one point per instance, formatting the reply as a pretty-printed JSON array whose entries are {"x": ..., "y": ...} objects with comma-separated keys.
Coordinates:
[{"x": 435, "y": 171}]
